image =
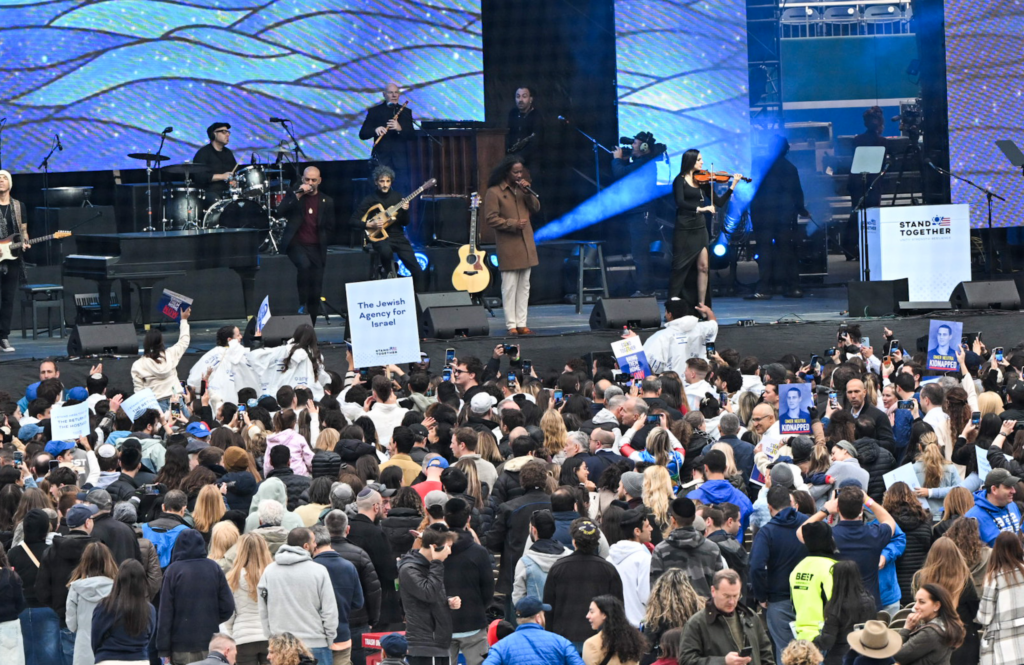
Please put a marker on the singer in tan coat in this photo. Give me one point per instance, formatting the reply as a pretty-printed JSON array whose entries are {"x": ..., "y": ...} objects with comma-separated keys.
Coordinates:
[{"x": 508, "y": 205}]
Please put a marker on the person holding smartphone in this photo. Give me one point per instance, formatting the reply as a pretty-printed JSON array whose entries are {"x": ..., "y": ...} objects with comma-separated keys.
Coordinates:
[
  {"x": 711, "y": 633},
  {"x": 428, "y": 616}
]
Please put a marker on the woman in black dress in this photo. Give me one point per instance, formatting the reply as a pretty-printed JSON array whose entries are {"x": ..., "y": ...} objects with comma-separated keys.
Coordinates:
[{"x": 690, "y": 241}]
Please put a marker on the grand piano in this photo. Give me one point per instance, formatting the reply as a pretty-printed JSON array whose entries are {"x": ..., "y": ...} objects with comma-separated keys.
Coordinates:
[{"x": 144, "y": 259}]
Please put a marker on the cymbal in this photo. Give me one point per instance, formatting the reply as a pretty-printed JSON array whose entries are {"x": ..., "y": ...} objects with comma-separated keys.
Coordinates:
[
  {"x": 188, "y": 168},
  {"x": 148, "y": 157}
]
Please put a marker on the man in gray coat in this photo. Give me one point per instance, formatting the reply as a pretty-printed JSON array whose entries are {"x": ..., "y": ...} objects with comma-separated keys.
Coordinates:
[{"x": 296, "y": 596}]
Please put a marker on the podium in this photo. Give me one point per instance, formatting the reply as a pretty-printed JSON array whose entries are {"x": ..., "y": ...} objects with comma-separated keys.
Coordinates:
[{"x": 928, "y": 245}]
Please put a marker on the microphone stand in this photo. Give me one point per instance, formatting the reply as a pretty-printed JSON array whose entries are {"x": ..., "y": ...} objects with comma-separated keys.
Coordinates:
[
  {"x": 596, "y": 144},
  {"x": 989, "y": 195},
  {"x": 295, "y": 144},
  {"x": 430, "y": 174},
  {"x": 2, "y": 123},
  {"x": 45, "y": 165},
  {"x": 863, "y": 212},
  {"x": 160, "y": 181}
]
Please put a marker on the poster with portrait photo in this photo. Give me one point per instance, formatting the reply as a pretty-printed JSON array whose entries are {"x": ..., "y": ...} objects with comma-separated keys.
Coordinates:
[
  {"x": 943, "y": 340},
  {"x": 795, "y": 402}
]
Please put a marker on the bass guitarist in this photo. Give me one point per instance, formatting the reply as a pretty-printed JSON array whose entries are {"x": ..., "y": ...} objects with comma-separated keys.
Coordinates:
[
  {"x": 13, "y": 219},
  {"x": 396, "y": 242}
]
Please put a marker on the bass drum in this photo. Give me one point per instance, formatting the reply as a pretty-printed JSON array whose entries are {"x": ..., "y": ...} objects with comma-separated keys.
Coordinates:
[{"x": 240, "y": 214}]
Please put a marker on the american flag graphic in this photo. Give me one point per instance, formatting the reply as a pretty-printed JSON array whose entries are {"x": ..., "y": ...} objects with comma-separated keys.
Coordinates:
[{"x": 944, "y": 221}]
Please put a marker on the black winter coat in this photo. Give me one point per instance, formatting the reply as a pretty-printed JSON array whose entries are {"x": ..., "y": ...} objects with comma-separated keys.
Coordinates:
[
  {"x": 877, "y": 461},
  {"x": 428, "y": 620},
  {"x": 55, "y": 570},
  {"x": 194, "y": 600},
  {"x": 396, "y": 528},
  {"x": 468, "y": 575},
  {"x": 326, "y": 463},
  {"x": 573, "y": 581},
  {"x": 36, "y": 526},
  {"x": 352, "y": 449},
  {"x": 295, "y": 484},
  {"x": 123, "y": 488},
  {"x": 12, "y": 598},
  {"x": 919, "y": 540},
  {"x": 839, "y": 623},
  {"x": 239, "y": 496},
  {"x": 371, "y": 538},
  {"x": 369, "y": 613},
  {"x": 118, "y": 536},
  {"x": 508, "y": 533}
]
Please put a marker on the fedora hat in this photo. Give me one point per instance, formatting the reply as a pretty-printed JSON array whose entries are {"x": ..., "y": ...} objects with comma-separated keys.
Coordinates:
[{"x": 874, "y": 640}]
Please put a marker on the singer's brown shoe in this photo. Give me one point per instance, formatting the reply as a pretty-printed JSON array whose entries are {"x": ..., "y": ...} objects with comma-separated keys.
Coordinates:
[{"x": 525, "y": 331}]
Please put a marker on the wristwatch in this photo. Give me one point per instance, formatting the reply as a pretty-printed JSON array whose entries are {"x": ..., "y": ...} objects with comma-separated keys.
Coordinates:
[{"x": 824, "y": 511}]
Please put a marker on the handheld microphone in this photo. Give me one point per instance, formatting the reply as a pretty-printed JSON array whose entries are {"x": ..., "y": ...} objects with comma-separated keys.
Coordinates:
[
  {"x": 528, "y": 189},
  {"x": 168, "y": 130},
  {"x": 562, "y": 118},
  {"x": 59, "y": 146},
  {"x": 280, "y": 120}
]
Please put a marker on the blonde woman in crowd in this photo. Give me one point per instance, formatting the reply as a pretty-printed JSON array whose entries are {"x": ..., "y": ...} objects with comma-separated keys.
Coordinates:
[
  {"x": 245, "y": 625},
  {"x": 658, "y": 495}
]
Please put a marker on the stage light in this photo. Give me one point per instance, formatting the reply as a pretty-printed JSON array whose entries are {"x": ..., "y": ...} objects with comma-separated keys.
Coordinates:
[
  {"x": 421, "y": 259},
  {"x": 494, "y": 260},
  {"x": 719, "y": 249}
]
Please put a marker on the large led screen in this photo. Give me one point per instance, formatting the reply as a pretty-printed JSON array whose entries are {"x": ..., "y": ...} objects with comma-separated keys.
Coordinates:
[
  {"x": 108, "y": 76},
  {"x": 985, "y": 78}
]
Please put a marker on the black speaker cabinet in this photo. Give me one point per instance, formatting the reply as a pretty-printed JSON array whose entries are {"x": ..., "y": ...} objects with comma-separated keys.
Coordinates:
[
  {"x": 46, "y": 221},
  {"x": 446, "y": 218},
  {"x": 880, "y": 298},
  {"x": 985, "y": 295},
  {"x": 425, "y": 301},
  {"x": 612, "y": 313},
  {"x": 103, "y": 338},
  {"x": 278, "y": 330},
  {"x": 459, "y": 321}
]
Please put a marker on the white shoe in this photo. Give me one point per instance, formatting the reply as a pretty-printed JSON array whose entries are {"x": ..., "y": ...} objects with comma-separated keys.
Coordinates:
[{"x": 5, "y": 346}]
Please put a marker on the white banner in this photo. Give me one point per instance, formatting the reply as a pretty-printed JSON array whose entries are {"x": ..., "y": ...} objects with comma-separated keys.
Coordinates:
[
  {"x": 67, "y": 423},
  {"x": 928, "y": 245},
  {"x": 138, "y": 403},
  {"x": 382, "y": 319}
]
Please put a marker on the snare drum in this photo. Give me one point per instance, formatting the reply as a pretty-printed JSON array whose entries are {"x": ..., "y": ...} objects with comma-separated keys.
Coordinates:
[
  {"x": 184, "y": 206},
  {"x": 241, "y": 214},
  {"x": 252, "y": 180}
]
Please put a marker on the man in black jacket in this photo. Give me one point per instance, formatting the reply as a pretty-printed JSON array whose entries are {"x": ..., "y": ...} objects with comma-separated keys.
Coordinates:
[
  {"x": 133, "y": 476},
  {"x": 640, "y": 220},
  {"x": 872, "y": 457},
  {"x": 856, "y": 398},
  {"x": 723, "y": 523},
  {"x": 310, "y": 215},
  {"x": 359, "y": 620},
  {"x": 467, "y": 574},
  {"x": 280, "y": 460},
  {"x": 119, "y": 537},
  {"x": 393, "y": 125},
  {"x": 385, "y": 195},
  {"x": 365, "y": 532},
  {"x": 428, "y": 605}
]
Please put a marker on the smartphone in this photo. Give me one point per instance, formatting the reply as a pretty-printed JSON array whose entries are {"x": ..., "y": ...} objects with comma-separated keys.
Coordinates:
[
  {"x": 998, "y": 351},
  {"x": 709, "y": 347},
  {"x": 747, "y": 652},
  {"x": 19, "y": 457},
  {"x": 833, "y": 399},
  {"x": 449, "y": 356},
  {"x": 653, "y": 420},
  {"x": 446, "y": 374},
  {"x": 527, "y": 368},
  {"x": 558, "y": 397},
  {"x": 894, "y": 345},
  {"x": 830, "y": 352},
  {"x": 53, "y": 466},
  {"x": 364, "y": 374},
  {"x": 963, "y": 340},
  {"x": 905, "y": 404},
  {"x": 815, "y": 363},
  {"x": 511, "y": 350},
  {"x": 241, "y": 408},
  {"x": 175, "y": 408},
  {"x": 511, "y": 380},
  {"x": 151, "y": 489},
  {"x": 976, "y": 418}
]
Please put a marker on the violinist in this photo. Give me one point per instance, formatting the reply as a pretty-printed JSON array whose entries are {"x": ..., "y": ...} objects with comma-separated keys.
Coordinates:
[{"x": 695, "y": 196}]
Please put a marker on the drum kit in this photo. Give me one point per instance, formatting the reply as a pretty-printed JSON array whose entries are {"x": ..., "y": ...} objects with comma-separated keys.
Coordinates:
[{"x": 250, "y": 201}]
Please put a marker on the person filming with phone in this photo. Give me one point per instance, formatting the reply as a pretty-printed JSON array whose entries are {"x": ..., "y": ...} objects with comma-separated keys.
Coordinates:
[{"x": 725, "y": 629}]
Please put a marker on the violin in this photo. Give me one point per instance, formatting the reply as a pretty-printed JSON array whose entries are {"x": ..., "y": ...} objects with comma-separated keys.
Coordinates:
[{"x": 704, "y": 177}]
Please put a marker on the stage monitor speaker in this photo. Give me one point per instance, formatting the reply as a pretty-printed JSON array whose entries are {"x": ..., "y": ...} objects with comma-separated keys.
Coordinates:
[
  {"x": 425, "y": 301},
  {"x": 103, "y": 338},
  {"x": 278, "y": 330},
  {"x": 448, "y": 322},
  {"x": 880, "y": 298},
  {"x": 613, "y": 313},
  {"x": 985, "y": 295}
]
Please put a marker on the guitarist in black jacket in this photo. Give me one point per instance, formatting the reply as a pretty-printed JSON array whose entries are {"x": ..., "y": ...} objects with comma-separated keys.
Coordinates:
[
  {"x": 310, "y": 215},
  {"x": 13, "y": 219},
  {"x": 396, "y": 243}
]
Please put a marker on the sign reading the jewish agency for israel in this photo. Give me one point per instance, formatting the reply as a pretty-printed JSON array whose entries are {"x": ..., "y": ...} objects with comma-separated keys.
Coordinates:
[
  {"x": 382, "y": 320},
  {"x": 943, "y": 340}
]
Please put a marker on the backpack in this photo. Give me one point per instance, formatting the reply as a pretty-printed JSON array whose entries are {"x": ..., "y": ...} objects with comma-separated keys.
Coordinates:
[{"x": 163, "y": 540}]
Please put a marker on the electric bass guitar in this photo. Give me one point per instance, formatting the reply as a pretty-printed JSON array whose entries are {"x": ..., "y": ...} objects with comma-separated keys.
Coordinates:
[
  {"x": 471, "y": 275},
  {"x": 10, "y": 247},
  {"x": 377, "y": 212}
]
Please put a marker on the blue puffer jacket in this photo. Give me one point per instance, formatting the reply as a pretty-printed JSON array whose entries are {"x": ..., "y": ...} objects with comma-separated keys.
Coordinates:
[
  {"x": 888, "y": 583},
  {"x": 532, "y": 644},
  {"x": 993, "y": 519},
  {"x": 722, "y": 491}
]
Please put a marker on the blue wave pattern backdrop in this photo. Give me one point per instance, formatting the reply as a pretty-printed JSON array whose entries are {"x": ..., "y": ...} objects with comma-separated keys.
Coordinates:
[{"x": 110, "y": 75}]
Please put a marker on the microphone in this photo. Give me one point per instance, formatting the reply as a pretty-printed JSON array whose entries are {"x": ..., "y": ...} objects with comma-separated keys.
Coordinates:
[
  {"x": 562, "y": 118},
  {"x": 527, "y": 188},
  {"x": 168, "y": 130},
  {"x": 280, "y": 120},
  {"x": 252, "y": 160},
  {"x": 59, "y": 146}
]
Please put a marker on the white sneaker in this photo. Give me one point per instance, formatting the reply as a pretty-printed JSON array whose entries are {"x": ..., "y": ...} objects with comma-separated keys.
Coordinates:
[{"x": 5, "y": 346}]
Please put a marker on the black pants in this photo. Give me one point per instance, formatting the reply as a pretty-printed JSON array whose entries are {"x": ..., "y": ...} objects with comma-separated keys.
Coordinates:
[
  {"x": 640, "y": 247},
  {"x": 778, "y": 259},
  {"x": 309, "y": 266},
  {"x": 10, "y": 278},
  {"x": 428, "y": 660},
  {"x": 397, "y": 243}
]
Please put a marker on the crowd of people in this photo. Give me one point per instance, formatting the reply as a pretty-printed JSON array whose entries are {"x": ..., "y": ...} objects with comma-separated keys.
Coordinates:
[{"x": 570, "y": 514}]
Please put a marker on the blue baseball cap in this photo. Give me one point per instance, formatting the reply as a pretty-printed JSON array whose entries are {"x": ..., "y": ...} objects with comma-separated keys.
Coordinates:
[
  {"x": 32, "y": 391},
  {"x": 394, "y": 644},
  {"x": 438, "y": 462},
  {"x": 77, "y": 394},
  {"x": 29, "y": 431},
  {"x": 56, "y": 448},
  {"x": 529, "y": 606},
  {"x": 79, "y": 513},
  {"x": 198, "y": 430}
]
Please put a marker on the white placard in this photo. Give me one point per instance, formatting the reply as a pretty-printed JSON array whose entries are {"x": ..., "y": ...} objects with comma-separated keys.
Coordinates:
[
  {"x": 138, "y": 403},
  {"x": 928, "y": 245},
  {"x": 67, "y": 423},
  {"x": 904, "y": 474},
  {"x": 382, "y": 319}
]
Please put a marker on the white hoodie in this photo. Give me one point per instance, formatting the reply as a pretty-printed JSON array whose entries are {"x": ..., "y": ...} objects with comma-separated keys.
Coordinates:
[
  {"x": 681, "y": 339},
  {"x": 633, "y": 561}
]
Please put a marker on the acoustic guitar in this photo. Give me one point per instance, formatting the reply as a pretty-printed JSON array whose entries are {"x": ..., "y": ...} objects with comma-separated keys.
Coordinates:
[
  {"x": 10, "y": 247},
  {"x": 471, "y": 275},
  {"x": 377, "y": 212}
]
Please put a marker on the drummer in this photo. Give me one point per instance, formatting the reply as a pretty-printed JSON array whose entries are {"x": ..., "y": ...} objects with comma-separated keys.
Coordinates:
[{"x": 218, "y": 156}]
